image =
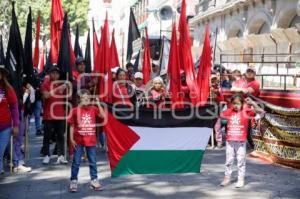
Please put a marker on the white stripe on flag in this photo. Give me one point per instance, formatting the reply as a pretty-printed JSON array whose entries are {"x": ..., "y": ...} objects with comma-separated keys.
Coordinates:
[{"x": 182, "y": 138}]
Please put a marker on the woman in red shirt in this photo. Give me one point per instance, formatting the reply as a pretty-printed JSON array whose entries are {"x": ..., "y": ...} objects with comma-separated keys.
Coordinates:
[
  {"x": 123, "y": 93},
  {"x": 9, "y": 117}
]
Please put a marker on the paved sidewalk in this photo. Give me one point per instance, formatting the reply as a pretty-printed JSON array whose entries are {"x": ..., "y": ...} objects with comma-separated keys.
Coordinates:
[{"x": 263, "y": 180}]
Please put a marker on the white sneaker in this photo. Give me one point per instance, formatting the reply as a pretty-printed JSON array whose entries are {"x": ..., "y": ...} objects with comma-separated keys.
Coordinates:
[
  {"x": 46, "y": 159},
  {"x": 61, "y": 160},
  {"x": 22, "y": 169},
  {"x": 73, "y": 186},
  {"x": 95, "y": 185},
  {"x": 240, "y": 183}
]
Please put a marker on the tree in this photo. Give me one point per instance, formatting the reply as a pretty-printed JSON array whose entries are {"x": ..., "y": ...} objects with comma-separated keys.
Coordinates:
[{"x": 77, "y": 11}]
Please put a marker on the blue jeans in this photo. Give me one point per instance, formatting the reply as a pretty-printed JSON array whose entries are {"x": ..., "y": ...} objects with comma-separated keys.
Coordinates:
[
  {"x": 91, "y": 155},
  {"x": 4, "y": 140},
  {"x": 37, "y": 109},
  {"x": 102, "y": 139}
]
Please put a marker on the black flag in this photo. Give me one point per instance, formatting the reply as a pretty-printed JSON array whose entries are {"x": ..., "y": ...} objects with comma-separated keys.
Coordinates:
[
  {"x": 2, "y": 58},
  {"x": 65, "y": 63},
  {"x": 28, "y": 68},
  {"x": 133, "y": 34},
  {"x": 77, "y": 49},
  {"x": 137, "y": 62},
  {"x": 14, "y": 61},
  {"x": 88, "y": 65}
]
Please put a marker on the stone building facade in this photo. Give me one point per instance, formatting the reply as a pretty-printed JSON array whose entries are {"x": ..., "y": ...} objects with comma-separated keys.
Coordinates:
[
  {"x": 244, "y": 27},
  {"x": 249, "y": 23}
]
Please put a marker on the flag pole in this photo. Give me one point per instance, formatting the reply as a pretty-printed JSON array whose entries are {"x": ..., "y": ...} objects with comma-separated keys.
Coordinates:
[
  {"x": 123, "y": 49},
  {"x": 26, "y": 138},
  {"x": 214, "y": 59},
  {"x": 11, "y": 153},
  {"x": 66, "y": 124}
]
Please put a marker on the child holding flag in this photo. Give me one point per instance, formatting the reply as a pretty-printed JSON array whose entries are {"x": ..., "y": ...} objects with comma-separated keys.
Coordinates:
[
  {"x": 82, "y": 121},
  {"x": 237, "y": 118}
]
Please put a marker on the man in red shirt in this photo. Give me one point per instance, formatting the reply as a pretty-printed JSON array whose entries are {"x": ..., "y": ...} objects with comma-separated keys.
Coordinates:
[
  {"x": 53, "y": 94},
  {"x": 251, "y": 86}
]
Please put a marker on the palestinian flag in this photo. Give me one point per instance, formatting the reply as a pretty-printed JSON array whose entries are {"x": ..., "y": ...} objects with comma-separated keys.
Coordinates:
[{"x": 141, "y": 142}]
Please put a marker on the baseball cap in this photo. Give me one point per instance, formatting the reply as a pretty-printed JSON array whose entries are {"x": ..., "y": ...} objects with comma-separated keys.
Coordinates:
[{"x": 138, "y": 75}]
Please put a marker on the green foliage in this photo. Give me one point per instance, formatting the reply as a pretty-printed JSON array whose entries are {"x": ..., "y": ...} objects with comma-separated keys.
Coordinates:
[{"x": 77, "y": 11}]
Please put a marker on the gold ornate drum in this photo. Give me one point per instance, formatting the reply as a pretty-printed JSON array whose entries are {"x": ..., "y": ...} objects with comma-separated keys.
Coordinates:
[{"x": 279, "y": 135}]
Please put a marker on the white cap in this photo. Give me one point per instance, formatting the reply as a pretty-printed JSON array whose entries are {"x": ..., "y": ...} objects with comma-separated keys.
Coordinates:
[
  {"x": 138, "y": 75},
  {"x": 115, "y": 69},
  {"x": 155, "y": 62}
]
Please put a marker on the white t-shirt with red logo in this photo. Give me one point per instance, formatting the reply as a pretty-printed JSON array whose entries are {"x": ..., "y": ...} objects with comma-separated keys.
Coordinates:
[
  {"x": 83, "y": 119},
  {"x": 237, "y": 123}
]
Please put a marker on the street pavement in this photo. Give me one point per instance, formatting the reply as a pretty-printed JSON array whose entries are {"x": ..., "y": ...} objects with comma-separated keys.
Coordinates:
[{"x": 263, "y": 180}]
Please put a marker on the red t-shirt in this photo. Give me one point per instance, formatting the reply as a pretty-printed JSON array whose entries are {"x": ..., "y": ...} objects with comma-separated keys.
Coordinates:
[
  {"x": 255, "y": 85},
  {"x": 83, "y": 119},
  {"x": 54, "y": 108},
  {"x": 186, "y": 93},
  {"x": 237, "y": 123},
  {"x": 155, "y": 95},
  {"x": 241, "y": 83},
  {"x": 218, "y": 92},
  {"x": 120, "y": 95},
  {"x": 7, "y": 99}
]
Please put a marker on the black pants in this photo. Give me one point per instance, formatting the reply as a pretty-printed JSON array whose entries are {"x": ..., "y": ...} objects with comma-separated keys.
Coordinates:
[{"x": 57, "y": 128}]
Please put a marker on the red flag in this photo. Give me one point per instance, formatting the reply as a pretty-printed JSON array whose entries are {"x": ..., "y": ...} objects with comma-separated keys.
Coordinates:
[
  {"x": 41, "y": 61},
  {"x": 186, "y": 59},
  {"x": 120, "y": 138},
  {"x": 73, "y": 59},
  {"x": 103, "y": 67},
  {"x": 204, "y": 71},
  {"x": 174, "y": 72},
  {"x": 36, "y": 53},
  {"x": 57, "y": 17},
  {"x": 113, "y": 52},
  {"x": 97, "y": 49},
  {"x": 146, "y": 70}
]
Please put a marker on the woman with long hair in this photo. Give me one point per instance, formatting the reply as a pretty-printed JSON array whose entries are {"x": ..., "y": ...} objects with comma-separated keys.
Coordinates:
[{"x": 9, "y": 117}]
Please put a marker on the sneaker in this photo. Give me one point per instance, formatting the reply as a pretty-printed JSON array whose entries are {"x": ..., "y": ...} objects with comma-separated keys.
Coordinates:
[
  {"x": 22, "y": 169},
  {"x": 61, "y": 160},
  {"x": 73, "y": 186},
  {"x": 219, "y": 145},
  {"x": 95, "y": 185},
  {"x": 240, "y": 183},
  {"x": 46, "y": 159},
  {"x": 225, "y": 182}
]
